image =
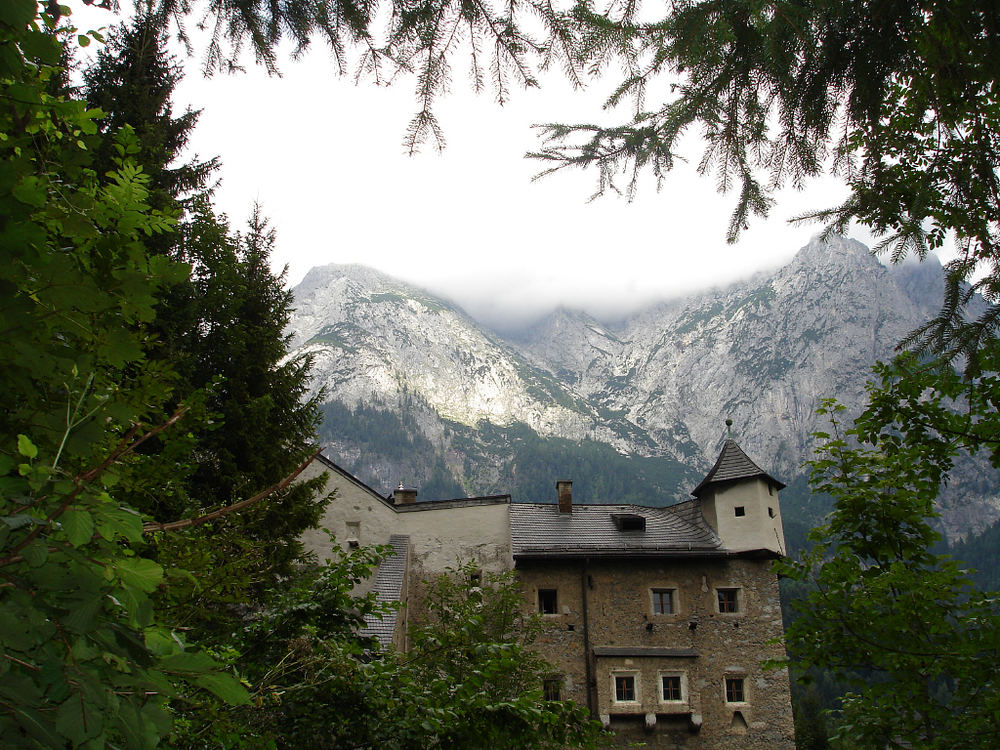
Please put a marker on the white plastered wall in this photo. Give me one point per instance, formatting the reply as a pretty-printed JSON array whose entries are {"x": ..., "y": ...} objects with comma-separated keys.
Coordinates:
[{"x": 760, "y": 526}]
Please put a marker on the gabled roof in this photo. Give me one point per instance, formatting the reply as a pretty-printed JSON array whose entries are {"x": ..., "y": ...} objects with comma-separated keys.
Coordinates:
[
  {"x": 540, "y": 530},
  {"x": 331, "y": 465},
  {"x": 733, "y": 465}
]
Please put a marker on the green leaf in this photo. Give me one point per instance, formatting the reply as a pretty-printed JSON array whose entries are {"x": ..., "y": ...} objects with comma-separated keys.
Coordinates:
[
  {"x": 78, "y": 525},
  {"x": 36, "y": 554},
  {"x": 83, "y": 615},
  {"x": 25, "y": 447},
  {"x": 30, "y": 190},
  {"x": 225, "y": 687},
  {"x": 76, "y": 723},
  {"x": 190, "y": 662},
  {"x": 17, "y": 13},
  {"x": 115, "y": 522},
  {"x": 139, "y": 573}
]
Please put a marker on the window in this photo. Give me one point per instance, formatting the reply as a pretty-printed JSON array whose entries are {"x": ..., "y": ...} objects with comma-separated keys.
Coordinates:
[
  {"x": 476, "y": 579},
  {"x": 770, "y": 512},
  {"x": 353, "y": 534},
  {"x": 729, "y": 600},
  {"x": 547, "y": 601},
  {"x": 629, "y": 521},
  {"x": 734, "y": 690},
  {"x": 625, "y": 688},
  {"x": 670, "y": 687},
  {"x": 740, "y": 511},
  {"x": 550, "y": 688},
  {"x": 663, "y": 601}
]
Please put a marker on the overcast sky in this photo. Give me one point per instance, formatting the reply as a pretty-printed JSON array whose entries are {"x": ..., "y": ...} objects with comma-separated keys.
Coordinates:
[{"x": 324, "y": 158}]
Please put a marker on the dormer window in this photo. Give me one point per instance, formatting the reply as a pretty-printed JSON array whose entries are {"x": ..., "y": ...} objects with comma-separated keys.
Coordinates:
[{"x": 629, "y": 521}]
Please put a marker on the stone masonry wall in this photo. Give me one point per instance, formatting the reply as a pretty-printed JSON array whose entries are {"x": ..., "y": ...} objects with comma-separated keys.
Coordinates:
[{"x": 621, "y": 617}]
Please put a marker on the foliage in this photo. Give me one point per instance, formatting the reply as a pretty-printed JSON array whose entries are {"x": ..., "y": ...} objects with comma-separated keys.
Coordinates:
[
  {"x": 903, "y": 626},
  {"x": 85, "y": 661},
  {"x": 131, "y": 82},
  {"x": 302, "y": 657},
  {"x": 469, "y": 678},
  {"x": 221, "y": 329},
  {"x": 502, "y": 42}
]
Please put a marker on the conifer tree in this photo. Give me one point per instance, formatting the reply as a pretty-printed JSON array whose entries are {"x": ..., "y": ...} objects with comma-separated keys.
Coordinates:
[
  {"x": 221, "y": 332},
  {"x": 131, "y": 82}
]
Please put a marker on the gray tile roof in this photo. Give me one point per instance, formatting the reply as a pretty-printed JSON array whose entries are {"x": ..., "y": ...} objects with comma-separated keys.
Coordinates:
[
  {"x": 389, "y": 582},
  {"x": 733, "y": 464},
  {"x": 540, "y": 530}
]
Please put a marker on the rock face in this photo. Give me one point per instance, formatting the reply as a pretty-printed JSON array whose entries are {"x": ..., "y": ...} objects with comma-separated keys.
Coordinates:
[
  {"x": 660, "y": 384},
  {"x": 762, "y": 352}
]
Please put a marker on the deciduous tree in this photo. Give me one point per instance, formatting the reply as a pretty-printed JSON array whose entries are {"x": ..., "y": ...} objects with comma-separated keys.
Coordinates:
[
  {"x": 85, "y": 662},
  {"x": 903, "y": 626}
]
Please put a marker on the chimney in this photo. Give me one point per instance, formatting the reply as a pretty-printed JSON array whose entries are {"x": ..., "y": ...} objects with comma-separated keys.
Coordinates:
[
  {"x": 564, "y": 489},
  {"x": 404, "y": 495}
]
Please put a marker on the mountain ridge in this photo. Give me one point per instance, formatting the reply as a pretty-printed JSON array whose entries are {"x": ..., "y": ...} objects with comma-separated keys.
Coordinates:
[{"x": 656, "y": 386}]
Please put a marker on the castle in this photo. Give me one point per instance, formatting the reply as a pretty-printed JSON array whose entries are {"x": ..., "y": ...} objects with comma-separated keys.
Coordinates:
[{"x": 657, "y": 619}]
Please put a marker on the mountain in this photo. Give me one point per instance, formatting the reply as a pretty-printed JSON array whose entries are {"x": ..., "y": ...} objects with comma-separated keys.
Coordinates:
[{"x": 418, "y": 392}]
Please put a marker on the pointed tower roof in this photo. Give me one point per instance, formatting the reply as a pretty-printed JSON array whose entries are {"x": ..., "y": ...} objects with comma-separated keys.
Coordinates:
[{"x": 731, "y": 466}]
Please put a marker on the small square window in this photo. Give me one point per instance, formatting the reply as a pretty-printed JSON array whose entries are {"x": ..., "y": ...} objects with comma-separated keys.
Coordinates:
[
  {"x": 547, "y": 601},
  {"x": 625, "y": 688},
  {"x": 740, "y": 511},
  {"x": 663, "y": 601},
  {"x": 670, "y": 687},
  {"x": 770, "y": 512},
  {"x": 734, "y": 690},
  {"x": 550, "y": 688},
  {"x": 729, "y": 600},
  {"x": 476, "y": 579}
]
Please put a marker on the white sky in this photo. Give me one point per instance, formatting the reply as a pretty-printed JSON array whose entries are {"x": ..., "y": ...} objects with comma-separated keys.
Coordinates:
[{"x": 325, "y": 160}]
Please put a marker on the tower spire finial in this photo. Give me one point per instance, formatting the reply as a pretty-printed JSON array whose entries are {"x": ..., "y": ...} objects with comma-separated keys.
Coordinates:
[{"x": 729, "y": 428}]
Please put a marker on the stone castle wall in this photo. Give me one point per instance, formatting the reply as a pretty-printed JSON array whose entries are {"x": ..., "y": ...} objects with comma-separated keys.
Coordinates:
[{"x": 705, "y": 647}]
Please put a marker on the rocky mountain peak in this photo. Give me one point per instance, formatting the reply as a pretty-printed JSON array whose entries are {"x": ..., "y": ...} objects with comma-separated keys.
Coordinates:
[{"x": 658, "y": 387}]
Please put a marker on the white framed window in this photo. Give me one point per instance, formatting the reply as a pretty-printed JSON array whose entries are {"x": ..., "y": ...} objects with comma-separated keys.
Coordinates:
[
  {"x": 673, "y": 687},
  {"x": 664, "y": 601},
  {"x": 735, "y": 687},
  {"x": 625, "y": 687},
  {"x": 729, "y": 600}
]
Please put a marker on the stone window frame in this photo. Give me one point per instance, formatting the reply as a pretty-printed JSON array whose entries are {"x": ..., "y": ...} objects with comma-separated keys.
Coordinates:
[
  {"x": 552, "y": 687},
  {"x": 675, "y": 606},
  {"x": 682, "y": 675},
  {"x": 738, "y": 598},
  {"x": 739, "y": 681},
  {"x": 542, "y": 609},
  {"x": 636, "y": 687},
  {"x": 353, "y": 533}
]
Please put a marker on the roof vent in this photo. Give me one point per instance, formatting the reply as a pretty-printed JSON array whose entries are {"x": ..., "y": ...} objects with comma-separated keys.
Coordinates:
[{"x": 629, "y": 521}]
